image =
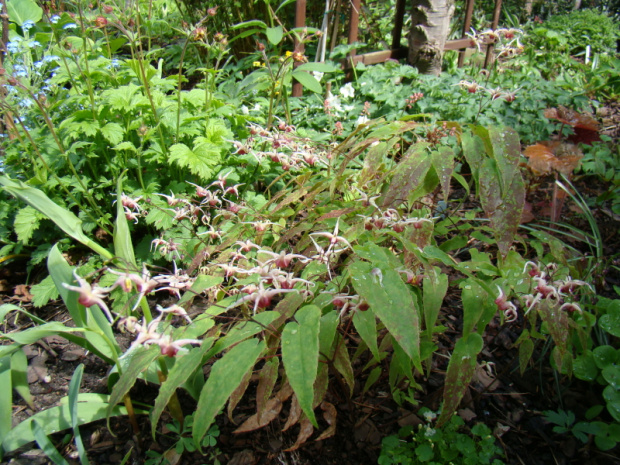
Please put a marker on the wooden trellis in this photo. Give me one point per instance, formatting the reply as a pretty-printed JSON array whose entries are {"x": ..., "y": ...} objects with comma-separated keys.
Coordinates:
[{"x": 396, "y": 51}]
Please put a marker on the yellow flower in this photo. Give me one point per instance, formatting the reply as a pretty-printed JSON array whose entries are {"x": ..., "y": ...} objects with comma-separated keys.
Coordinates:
[
  {"x": 288, "y": 54},
  {"x": 258, "y": 64}
]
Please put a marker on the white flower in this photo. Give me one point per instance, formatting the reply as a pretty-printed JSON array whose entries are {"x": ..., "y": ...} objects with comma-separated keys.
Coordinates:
[
  {"x": 245, "y": 110},
  {"x": 256, "y": 107},
  {"x": 318, "y": 75},
  {"x": 347, "y": 91},
  {"x": 362, "y": 120},
  {"x": 333, "y": 102}
]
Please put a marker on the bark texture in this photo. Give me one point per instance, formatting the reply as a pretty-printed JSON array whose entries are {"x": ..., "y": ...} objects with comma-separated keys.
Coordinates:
[{"x": 430, "y": 25}]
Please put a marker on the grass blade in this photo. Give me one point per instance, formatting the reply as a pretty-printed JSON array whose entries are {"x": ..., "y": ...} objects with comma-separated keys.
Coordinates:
[
  {"x": 46, "y": 445},
  {"x": 74, "y": 391}
]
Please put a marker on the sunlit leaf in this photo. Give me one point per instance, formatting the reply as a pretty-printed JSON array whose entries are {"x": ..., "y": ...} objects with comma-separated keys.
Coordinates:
[{"x": 300, "y": 355}]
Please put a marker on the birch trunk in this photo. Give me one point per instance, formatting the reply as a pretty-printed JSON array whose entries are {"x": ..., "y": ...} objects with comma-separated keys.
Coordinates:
[{"x": 430, "y": 25}]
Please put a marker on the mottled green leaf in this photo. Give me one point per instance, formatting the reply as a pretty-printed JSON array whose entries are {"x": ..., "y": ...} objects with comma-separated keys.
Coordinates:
[
  {"x": 391, "y": 301},
  {"x": 408, "y": 174},
  {"x": 300, "y": 355},
  {"x": 460, "y": 371}
]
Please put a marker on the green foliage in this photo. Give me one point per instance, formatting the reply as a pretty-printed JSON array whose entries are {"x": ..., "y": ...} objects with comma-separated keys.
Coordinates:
[
  {"x": 325, "y": 231},
  {"x": 574, "y": 31},
  {"x": 450, "y": 443}
]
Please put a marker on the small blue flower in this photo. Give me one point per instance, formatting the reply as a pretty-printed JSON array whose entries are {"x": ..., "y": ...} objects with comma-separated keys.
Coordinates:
[
  {"x": 13, "y": 46},
  {"x": 20, "y": 71},
  {"x": 54, "y": 19},
  {"x": 50, "y": 58},
  {"x": 70, "y": 26},
  {"x": 25, "y": 103},
  {"x": 34, "y": 44},
  {"x": 28, "y": 24}
]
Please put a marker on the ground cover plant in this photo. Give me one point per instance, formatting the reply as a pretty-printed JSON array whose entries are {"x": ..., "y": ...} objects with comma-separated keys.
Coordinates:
[{"x": 273, "y": 263}]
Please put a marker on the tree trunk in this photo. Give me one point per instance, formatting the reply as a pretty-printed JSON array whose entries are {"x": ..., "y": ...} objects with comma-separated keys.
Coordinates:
[{"x": 430, "y": 25}]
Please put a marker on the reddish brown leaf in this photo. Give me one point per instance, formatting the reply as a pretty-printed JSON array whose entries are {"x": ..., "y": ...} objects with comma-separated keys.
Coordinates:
[
  {"x": 237, "y": 394},
  {"x": 304, "y": 433},
  {"x": 294, "y": 414},
  {"x": 329, "y": 414},
  {"x": 586, "y": 128},
  {"x": 545, "y": 157},
  {"x": 541, "y": 159},
  {"x": 572, "y": 118},
  {"x": 272, "y": 410},
  {"x": 266, "y": 381},
  {"x": 285, "y": 393}
]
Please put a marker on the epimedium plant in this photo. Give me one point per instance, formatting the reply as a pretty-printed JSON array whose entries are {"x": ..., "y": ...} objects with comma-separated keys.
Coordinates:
[
  {"x": 295, "y": 244},
  {"x": 291, "y": 276}
]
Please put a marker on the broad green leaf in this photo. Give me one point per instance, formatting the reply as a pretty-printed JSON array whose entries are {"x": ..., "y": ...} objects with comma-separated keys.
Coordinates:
[
  {"x": 319, "y": 67},
  {"x": 408, "y": 174},
  {"x": 274, "y": 34},
  {"x": 329, "y": 324},
  {"x": 366, "y": 326},
  {"x": 113, "y": 132},
  {"x": 91, "y": 407},
  {"x": 63, "y": 218},
  {"x": 19, "y": 377},
  {"x": 242, "y": 331},
  {"x": 391, "y": 301},
  {"x": 200, "y": 161},
  {"x": 435, "y": 286},
  {"x": 473, "y": 151},
  {"x": 474, "y": 299},
  {"x": 183, "y": 368},
  {"x": 612, "y": 397},
  {"x": 506, "y": 151},
  {"x": 21, "y": 11},
  {"x": 443, "y": 162},
  {"x": 308, "y": 81},
  {"x": 300, "y": 356},
  {"x": 202, "y": 283},
  {"x": 584, "y": 366},
  {"x": 610, "y": 322},
  {"x": 611, "y": 374},
  {"x": 46, "y": 445},
  {"x": 460, "y": 372},
  {"x": 605, "y": 356},
  {"x": 141, "y": 360},
  {"x": 226, "y": 374},
  {"x": 376, "y": 254},
  {"x": 26, "y": 223},
  {"x": 61, "y": 272},
  {"x": 43, "y": 292}
]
